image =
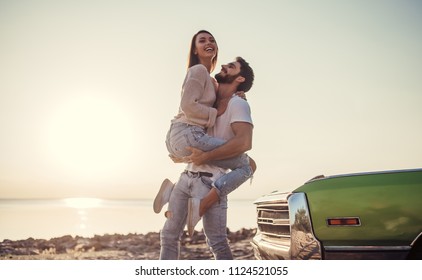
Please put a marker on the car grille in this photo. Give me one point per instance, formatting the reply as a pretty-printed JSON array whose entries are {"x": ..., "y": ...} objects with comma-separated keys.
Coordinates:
[{"x": 273, "y": 220}]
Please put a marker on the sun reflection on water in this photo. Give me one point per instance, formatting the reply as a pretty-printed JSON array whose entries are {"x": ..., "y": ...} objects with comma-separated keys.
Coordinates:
[{"x": 82, "y": 202}]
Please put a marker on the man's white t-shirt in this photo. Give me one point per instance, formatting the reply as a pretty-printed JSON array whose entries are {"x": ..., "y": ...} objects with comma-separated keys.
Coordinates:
[{"x": 238, "y": 110}]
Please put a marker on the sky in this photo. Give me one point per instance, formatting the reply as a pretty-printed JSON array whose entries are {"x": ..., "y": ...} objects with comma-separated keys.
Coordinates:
[{"x": 88, "y": 89}]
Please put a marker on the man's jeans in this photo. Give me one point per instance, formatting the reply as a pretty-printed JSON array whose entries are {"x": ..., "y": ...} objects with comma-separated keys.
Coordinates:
[
  {"x": 181, "y": 135},
  {"x": 214, "y": 220}
]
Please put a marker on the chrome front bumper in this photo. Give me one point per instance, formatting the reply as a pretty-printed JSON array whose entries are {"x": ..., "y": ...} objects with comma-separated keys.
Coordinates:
[{"x": 285, "y": 229}]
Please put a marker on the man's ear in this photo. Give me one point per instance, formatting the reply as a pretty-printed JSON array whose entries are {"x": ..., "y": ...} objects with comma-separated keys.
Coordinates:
[{"x": 240, "y": 79}]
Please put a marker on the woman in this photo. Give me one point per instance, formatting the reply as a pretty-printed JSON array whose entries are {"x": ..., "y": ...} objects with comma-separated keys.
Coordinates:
[{"x": 196, "y": 114}]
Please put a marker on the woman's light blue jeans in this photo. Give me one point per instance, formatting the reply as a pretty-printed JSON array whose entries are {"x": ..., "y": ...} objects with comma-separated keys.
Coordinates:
[
  {"x": 182, "y": 135},
  {"x": 214, "y": 220}
]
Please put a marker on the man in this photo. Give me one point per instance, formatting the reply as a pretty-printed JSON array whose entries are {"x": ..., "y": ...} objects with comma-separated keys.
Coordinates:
[{"x": 233, "y": 125}]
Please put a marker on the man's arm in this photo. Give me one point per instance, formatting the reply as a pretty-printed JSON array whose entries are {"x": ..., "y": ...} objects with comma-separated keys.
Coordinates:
[{"x": 240, "y": 143}]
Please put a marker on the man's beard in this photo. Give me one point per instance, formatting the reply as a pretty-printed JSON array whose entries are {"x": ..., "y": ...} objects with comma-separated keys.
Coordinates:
[{"x": 228, "y": 79}]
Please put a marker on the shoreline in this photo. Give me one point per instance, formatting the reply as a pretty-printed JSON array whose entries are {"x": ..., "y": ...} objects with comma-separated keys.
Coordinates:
[{"x": 121, "y": 247}]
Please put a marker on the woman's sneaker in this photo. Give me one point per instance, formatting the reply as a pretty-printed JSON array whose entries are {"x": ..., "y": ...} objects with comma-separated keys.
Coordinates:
[{"x": 163, "y": 195}]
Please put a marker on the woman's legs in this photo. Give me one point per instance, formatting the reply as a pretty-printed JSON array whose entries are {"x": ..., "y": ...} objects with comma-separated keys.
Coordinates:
[
  {"x": 180, "y": 136},
  {"x": 213, "y": 195},
  {"x": 183, "y": 135}
]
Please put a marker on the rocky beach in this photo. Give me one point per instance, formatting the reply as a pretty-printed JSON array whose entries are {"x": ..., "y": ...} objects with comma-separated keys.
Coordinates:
[{"x": 120, "y": 247}]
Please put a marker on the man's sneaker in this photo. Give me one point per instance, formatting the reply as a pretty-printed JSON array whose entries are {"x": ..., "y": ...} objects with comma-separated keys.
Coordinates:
[
  {"x": 193, "y": 214},
  {"x": 163, "y": 195}
]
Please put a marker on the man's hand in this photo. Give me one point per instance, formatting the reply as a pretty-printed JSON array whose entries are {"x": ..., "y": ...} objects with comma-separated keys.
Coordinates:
[{"x": 198, "y": 157}]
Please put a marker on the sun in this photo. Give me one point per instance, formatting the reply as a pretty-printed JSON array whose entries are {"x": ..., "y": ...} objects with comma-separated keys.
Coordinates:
[{"x": 90, "y": 136}]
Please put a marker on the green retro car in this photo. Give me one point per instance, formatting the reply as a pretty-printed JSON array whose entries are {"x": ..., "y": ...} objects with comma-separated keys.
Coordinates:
[{"x": 375, "y": 215}]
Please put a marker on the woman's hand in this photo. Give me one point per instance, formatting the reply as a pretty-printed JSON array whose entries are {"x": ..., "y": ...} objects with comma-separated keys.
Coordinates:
[
  {"x": 178, "y": 160},
  {"x": 241, "y": 94}
]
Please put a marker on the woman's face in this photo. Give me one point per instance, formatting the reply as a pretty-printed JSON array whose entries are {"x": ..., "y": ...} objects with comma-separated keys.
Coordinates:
[{"x": 205, "y": 46}]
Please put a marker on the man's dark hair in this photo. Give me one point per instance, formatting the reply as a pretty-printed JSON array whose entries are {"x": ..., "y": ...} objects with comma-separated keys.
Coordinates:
[{"x": 247, "y": 73}]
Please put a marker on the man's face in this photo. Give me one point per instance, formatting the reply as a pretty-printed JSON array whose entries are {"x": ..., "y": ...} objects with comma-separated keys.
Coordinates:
[{"x": 229, "y": 72}]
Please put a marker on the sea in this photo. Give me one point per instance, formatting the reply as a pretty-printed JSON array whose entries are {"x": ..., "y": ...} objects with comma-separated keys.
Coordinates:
[{"x": 48, "y": 218}]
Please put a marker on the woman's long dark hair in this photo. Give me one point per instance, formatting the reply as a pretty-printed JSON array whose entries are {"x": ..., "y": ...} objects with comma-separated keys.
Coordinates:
[{"x": 193, "y": 58}]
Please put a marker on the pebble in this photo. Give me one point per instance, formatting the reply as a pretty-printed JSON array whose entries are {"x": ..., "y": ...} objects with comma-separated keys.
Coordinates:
[{"x": 120, "y": 246}]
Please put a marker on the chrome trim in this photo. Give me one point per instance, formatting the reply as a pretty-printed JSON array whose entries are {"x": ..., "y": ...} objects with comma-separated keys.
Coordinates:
[
  {"x": 265, "y": 250},
  {"x": 316, "y": 178},
  {"x": 304, "y": 245},
  {"x": 274, "y": 198},
  {"x": 277, "y": 235},
  {"x": 367, "y": 248},
  {"x": 365, "y": 173},
  {"x": 416, "y": 239},
  {"x": 273, "y": 205},
  {"x": 280, "y": 222}
]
